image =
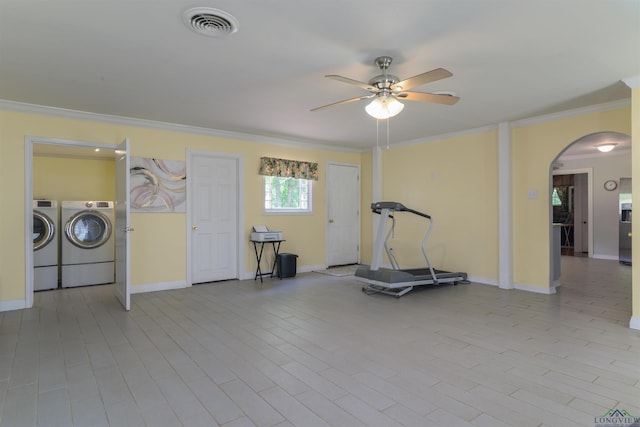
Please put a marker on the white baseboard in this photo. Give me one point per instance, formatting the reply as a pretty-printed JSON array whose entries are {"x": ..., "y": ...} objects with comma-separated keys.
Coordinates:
[
  {"x": 10, "y": 305},
  {"x": 482, "y": 280},
  {"x": 528, "y": 288},
  {"x": 309, "y": 268},
  {"x": 634, "y": 323},
  {"x": 607, "y": 257},
  {"x": 154, "y": 287},
  {"x": 299, "y": 269},
  {"x": 537, "y": 289}
]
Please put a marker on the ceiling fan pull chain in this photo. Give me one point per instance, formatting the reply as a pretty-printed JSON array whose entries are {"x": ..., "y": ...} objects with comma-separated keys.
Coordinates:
[{"x": 377, "y": 133}]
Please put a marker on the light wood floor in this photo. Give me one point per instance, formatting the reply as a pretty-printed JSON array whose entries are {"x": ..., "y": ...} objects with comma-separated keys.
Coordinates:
[{"x": 316, "y": 351}]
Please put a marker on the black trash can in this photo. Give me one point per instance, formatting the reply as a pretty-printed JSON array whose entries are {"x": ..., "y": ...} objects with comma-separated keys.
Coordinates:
[{"x": 286, "y": 265}]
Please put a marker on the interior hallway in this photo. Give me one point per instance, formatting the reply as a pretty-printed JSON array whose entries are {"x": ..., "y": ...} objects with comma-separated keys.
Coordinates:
[{"x": 315, "y": 350}]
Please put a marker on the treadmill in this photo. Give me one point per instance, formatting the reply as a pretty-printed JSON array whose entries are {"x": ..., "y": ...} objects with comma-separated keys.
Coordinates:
[{"x": 396, "y": 281}]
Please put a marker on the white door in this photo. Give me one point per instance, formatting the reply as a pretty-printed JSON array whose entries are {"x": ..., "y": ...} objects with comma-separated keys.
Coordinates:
[
  {"x": 213, "y": 193},
  {"x": 343, "y": 214},
  {"x": 122, "y": 227}
]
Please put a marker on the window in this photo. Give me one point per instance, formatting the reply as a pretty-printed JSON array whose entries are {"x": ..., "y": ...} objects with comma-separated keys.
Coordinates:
[
  {"x": 287, "y": 195},
  {"x": 555, "y": 198},
  {"x": 287, "y": 185}
]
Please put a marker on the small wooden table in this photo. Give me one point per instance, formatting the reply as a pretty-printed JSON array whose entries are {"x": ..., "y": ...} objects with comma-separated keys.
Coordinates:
[{"x": 276, "y": 249}]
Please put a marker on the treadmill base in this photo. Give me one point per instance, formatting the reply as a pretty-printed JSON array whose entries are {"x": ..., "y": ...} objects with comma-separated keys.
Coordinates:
[{"x": 399, "y": 282}]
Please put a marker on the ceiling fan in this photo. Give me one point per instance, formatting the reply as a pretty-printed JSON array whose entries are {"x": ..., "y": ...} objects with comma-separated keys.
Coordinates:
[{"x": 387, "y": 89}]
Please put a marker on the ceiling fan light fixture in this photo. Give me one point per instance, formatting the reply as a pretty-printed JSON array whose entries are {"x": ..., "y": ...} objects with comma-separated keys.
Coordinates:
[
  {"x": 605, "y": 148},
  {"x": 383, "y": 107}
]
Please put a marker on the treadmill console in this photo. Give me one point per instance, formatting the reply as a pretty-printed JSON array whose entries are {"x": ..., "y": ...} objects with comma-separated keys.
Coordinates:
[{"x": 394, "y": 206}]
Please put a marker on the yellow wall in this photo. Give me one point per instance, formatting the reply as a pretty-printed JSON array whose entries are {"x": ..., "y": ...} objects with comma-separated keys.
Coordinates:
[
  {"x": 534, "y": 149},
  {"x": 57, "y": 178},
  {"x": 156, "y": 257},
  {"x": 455, "y": 181}
]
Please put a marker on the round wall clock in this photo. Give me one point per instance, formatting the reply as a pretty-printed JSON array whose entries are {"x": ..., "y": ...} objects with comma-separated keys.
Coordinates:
[{"x": 610, "y": 185}]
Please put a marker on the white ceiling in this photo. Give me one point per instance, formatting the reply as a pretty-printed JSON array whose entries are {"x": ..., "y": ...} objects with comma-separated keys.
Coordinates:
[{"x": 510, "y": 60}]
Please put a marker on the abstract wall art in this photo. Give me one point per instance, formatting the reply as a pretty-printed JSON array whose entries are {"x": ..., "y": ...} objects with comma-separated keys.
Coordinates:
[{"x": 158, "y": 185}]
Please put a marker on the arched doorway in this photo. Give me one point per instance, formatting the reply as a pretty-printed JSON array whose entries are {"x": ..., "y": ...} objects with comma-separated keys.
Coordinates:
[{"x": 582, "y": 171}]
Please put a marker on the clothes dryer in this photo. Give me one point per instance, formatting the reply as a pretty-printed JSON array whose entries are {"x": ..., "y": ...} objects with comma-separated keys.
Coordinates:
[
  {"x": 45, "y": 244},
  {"x": 88, "y": 243}
]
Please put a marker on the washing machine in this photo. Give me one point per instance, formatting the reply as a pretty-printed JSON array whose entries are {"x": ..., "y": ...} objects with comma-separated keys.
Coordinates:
[
  {"x": 45, "y": 244},
  {"x": 88, "y": 243}
]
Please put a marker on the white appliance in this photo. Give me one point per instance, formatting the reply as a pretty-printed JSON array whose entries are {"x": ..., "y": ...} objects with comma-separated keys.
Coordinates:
[
  {"x": 45, "y": 244},
  {"x": 88, "y": 243},
  {"x": 262, "y": 234}
]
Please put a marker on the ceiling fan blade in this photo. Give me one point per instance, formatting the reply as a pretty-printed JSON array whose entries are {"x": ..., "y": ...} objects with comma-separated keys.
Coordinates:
[
  {"x": 363, "y": 85},
  {"x": 420, "y": 79},
  {"x": 429, "y": 97},
  {"x": 346, "y": 101}
]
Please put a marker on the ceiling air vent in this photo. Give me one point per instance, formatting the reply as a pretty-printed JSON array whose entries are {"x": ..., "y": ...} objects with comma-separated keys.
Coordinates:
[{"x": 210, "y": 22}]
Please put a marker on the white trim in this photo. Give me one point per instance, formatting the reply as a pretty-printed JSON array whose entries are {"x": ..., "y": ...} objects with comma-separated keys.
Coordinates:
[
  {"x": 173, "y": 127},
  {"x": 302, "y": 143},
  {"x": 632, "y": 82},
  {"x": 522, "y": 122},
  {"x": 596, "y": 154},
  {"x": 191, "y": 153},
  {"x": 28, "y": 222},
  {"x": 288, "y": 211},
  {"x": 326, "y": 207},
  {"x": 28, "y": 199},
  {"x": 634, "y": 322},
  {"x": 536, "y": 289},
  {"x": 159, "y": 286},
  {"x": 607, "y": 257},
  {"x": 15, "y": 304},
  {"x": 250, "y": 275},
  {"x": 482, "y": 281},
  {"x": 376, "y": 189},
  {"x": 448, "y": 135},
  {"x": 310, "y": 268},
  {"x": 589, "y": 172},
  {"x": 598, "y": 108},
  {"x": 505, "y": 211}
]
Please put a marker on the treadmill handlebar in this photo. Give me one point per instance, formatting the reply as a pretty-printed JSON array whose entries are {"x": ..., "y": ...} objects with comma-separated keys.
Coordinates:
[{"x": 395, "y": 206}]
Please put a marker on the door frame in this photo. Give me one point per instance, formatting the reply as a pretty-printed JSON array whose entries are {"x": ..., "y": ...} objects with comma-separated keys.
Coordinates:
[
  {"x": 589, "y": 172},
  {"x": 326, "y": 209},
  {"x": 191, "y": 154},
  {"x": 29, "y": 142}
]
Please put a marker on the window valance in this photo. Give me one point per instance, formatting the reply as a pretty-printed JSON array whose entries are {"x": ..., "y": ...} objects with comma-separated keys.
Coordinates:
[{"x": 282, "y": 168}]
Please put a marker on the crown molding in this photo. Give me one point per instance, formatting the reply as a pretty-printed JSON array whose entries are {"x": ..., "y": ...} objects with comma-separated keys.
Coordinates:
[
  {"x": 449, "y": 135},
  {"x": 304, "y": 144},
  {"x": 632, "y": 82},
  {"x": 22, "y": 107},
  {"x": 598, "y": 108}
]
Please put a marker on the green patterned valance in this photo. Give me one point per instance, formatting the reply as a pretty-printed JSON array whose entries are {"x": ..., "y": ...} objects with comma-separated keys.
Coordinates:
[{"x": 282, "y": 168}]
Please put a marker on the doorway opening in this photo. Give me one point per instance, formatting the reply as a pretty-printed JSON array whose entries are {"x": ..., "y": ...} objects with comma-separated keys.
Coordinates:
[
  {"x": 569, "y": 200},
  {"x": 58, "y": 148},
  {"x": 566, "y": 184}
]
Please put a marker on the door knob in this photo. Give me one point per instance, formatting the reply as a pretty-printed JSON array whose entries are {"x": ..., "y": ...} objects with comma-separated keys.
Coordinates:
[
  {"x": 330, "y": 221},
  {"x": 195, "y": 227}
]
